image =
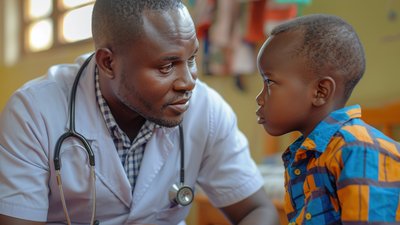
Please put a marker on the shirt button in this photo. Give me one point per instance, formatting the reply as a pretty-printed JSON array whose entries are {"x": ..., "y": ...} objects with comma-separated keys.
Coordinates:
[
  {"x": 297, "y": 172},
  {"x": 308, "y": 216}
]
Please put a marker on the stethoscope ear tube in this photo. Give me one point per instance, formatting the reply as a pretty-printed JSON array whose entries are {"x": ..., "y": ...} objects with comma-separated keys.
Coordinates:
[
  {"x": 57, "y": 160},
  {"x": 73, "y": 134},
  {"x": 71, "y": 129}
]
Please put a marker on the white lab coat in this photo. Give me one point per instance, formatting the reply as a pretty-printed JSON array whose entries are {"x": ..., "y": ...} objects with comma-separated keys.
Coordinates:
[{"x": 216, "y": 157}]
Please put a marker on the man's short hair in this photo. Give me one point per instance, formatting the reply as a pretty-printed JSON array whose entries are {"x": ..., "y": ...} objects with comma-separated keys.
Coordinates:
[{"x": 118, "y": 22}]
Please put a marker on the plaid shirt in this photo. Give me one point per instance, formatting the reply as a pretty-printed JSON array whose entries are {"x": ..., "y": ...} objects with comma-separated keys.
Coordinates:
[
  {"x": 130, "y": 152},
  {"x": 344, "y": 172}
]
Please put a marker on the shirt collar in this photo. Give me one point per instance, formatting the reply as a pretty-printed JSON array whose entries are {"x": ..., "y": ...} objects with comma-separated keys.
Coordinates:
[
  {"x": 320, "y": 137},
  {"x": 116, "y": 132}
]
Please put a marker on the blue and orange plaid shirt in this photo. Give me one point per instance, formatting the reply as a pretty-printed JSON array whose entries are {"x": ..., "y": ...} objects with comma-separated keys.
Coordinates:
[{"x": 344, "y": 172}]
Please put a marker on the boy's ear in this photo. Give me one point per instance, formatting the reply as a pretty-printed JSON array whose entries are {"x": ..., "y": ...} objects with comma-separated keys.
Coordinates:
[{"x": 324, "y": 91}]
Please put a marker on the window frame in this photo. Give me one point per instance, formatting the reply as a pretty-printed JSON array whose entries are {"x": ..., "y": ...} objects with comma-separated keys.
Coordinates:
[{"x": 56, "y": 17}]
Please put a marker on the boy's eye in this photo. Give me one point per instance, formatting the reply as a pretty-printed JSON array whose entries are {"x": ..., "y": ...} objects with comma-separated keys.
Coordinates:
[
  {"x": 167, "y": 68},
  {"x": 268, "y": 82}
]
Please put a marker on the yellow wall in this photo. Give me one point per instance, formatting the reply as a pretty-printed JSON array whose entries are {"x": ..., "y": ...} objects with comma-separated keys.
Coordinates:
[
  {"x": 380, "y": 84},
  {"x": 369, "y": 17},
  {"x": 35, "y": 65}
]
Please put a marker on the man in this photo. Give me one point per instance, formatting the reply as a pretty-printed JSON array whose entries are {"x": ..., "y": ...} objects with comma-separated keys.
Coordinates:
[{"x": 140, "y": 85}]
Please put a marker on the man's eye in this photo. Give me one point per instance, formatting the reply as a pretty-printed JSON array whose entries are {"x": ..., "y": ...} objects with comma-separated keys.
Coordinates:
[
  {"x": 167, "y": 68},
  {"x": 192, "y": 61}
]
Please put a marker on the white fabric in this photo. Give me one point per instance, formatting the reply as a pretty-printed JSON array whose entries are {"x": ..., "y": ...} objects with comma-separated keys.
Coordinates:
[{"x": 216, "y": 157}]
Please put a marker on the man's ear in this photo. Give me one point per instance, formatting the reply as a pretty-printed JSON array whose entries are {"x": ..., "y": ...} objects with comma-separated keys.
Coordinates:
[
  {"x": 324, "y": 91},
  {"x": 104, "y": 60}
]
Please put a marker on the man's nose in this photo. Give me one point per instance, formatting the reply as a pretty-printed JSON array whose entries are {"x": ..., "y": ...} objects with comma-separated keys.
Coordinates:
[{"x": 187, "y": 79}]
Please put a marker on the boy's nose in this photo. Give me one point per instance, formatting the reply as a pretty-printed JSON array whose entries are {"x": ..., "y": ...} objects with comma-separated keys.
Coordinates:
[{"x": 259, "y": 98}]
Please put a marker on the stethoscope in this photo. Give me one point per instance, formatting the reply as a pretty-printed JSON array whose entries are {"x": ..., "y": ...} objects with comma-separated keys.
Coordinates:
[{"x": 180, "y": 193}]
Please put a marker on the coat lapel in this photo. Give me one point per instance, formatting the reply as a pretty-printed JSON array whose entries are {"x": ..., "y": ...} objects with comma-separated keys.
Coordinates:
[
  {"x": 90, "y": 123},
  {"x": 156, "y": 154}
]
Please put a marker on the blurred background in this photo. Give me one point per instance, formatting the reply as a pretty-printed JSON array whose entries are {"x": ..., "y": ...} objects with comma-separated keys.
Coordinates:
[{"x": 35, "y": 34}]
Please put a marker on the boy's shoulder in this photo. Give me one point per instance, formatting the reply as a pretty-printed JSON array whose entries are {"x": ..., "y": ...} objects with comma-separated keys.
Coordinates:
[{"x": 356, "y": 133}]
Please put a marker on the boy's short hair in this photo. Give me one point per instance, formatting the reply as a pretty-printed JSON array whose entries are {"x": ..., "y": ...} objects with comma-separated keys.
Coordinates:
[{"x": 330, "y": 45}]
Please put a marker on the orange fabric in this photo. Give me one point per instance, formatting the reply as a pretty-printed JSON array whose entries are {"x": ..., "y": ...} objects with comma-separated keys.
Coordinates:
[
  {"x": 255, "y": 23},
  {"x": 357, "y": 205},
  {"x": 389, "y": 169},
  {"x": 389, "y": 146},
  {"x": 280, "y": 14},
  {"x": 360, "y": 132},
  {"x": 202, "y": 29},
  {"x": 398, "y": 213},
  {"x": 260, "y": 14}
]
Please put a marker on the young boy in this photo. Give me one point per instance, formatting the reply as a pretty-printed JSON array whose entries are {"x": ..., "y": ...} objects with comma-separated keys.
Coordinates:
[{"x": 341, "y": 170}]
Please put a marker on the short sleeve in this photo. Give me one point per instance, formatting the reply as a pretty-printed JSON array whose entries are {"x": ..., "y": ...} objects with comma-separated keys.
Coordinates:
[
  {"x": 23, "y": 161},
  {"x": 228, "y": 173}
]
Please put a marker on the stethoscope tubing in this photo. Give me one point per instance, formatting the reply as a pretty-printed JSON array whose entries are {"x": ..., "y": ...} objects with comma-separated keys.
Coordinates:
[
  {"x": 182, "y": 148},
  {"x": 71, "y": 133}
]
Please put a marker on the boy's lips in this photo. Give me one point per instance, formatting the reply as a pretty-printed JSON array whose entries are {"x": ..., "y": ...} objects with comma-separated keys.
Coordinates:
[{"x": 260, "y": 120}]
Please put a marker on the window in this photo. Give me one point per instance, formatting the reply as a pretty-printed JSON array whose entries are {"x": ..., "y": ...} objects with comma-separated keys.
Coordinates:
[{"x": 50, "y": 23}]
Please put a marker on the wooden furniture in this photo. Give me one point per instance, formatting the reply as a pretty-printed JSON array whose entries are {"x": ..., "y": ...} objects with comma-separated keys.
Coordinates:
[
  {"x": 386, "y": 118},
  {"x": 208, "y": 215}
]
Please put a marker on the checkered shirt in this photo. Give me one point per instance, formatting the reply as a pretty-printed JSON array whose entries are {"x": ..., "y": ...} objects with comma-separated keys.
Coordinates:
[
  {"x": 130, "y": 152},
  {"x": 344, "y": 172}
]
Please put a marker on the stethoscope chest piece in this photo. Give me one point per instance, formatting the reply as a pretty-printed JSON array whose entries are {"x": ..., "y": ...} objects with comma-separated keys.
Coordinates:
[{"x": 181, "y": 194}]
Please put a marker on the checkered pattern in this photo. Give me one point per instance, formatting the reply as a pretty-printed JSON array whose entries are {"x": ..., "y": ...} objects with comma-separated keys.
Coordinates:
[
  {"x": 130, "y": 152},
  {"x": 344, "y": 172}
]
